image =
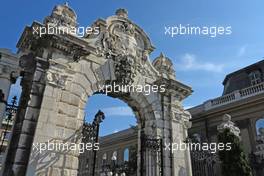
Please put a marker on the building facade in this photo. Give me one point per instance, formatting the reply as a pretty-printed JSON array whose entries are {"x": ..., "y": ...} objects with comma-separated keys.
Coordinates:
[{"x": 243, "y": 99}]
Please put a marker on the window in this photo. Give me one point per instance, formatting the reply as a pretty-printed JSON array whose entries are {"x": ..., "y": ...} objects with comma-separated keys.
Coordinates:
[
  {"x": 255, "y": 77},
  {"x": 259, "y": 126},
  {"x": 126, "y": 154}
]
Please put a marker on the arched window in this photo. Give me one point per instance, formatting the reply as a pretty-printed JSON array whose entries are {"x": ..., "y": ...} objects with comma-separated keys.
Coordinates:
[
  {"x": 259, "y": 125},
  {"x": 255, "y": 77},
  {"x": 126, "y": 154}
]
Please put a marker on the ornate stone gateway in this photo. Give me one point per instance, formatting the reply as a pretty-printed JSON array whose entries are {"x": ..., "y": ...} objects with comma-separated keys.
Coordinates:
[{"x": 61, "y": 71}]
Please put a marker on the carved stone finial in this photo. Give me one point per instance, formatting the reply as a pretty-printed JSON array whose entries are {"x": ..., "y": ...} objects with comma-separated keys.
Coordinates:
[
  {"x": 62, "y": 15},
  {"x": 228, "y": 124},
  {"x": 165, "y": 66},
  {"x": 122, "y": 13}
]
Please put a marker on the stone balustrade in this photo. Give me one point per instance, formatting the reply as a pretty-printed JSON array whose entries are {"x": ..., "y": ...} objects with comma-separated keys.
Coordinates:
[
  {"x": 234, "y": 96},
  {"x": 252, "y": 90}
]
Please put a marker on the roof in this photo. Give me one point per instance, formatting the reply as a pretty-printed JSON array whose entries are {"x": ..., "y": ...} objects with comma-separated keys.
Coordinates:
[{"x": 241, "y": 70}]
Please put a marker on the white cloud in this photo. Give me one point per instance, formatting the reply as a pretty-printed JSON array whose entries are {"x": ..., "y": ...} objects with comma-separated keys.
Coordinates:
[
  {"x": 116, "y": 131},
  {"x": 241, "y": 51},
  {"x": 118, "y": 111},
  {"x": 189, "y": 62},
  {"x": 188, "y": 107}
]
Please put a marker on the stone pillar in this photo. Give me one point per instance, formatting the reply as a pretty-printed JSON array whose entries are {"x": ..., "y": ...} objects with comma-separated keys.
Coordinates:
[
  {"x": 175, "y": 124},
  {"x": 60, "y": 122},
  {"x": 8, "y": 73},
  {"x": 181, "y": 158},
  {"x": 25, "y": 123}
]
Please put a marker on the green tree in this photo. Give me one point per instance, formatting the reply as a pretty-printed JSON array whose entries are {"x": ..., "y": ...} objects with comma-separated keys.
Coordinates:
[{"x": 234, "y": 161}]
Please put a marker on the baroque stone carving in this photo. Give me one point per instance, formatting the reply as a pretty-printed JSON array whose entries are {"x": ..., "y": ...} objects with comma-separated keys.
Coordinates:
[
  {"x": 56, "y": 79},
  {"x": 124, "y": 69},
  {"x": 183, "y": 117},
  {"x": 62, "y": 15},
  {"x": 228, "y": 124},
  {"x": 164, "y": 66},
  {"x": 122, "y": 39}
]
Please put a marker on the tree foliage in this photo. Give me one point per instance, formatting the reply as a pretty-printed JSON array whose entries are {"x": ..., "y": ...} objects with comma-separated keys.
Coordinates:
[{"x": 234, "y": 161}]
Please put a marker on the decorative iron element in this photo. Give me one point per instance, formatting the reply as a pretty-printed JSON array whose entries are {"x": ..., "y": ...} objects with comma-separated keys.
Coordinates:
[
  {"x": 114, "y": 168},
  {"x": 11, "y": 109},
  {"x": 204, "y": 163},
  {"x": 90, "y": 132},
  {"x": 151, "y": 152}
]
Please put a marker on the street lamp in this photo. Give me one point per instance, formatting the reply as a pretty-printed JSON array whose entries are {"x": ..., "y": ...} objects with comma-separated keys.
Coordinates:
[
  {"x": 10, "y": 110},
  {"x": 90, "y": 133}
]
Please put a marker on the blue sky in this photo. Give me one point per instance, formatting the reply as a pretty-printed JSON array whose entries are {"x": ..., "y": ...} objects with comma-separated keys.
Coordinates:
[{"x": 200, "y": 61}]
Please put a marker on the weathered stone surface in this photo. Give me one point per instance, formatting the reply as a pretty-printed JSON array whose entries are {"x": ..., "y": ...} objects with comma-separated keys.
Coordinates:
[{"x": 54, "y": 97}]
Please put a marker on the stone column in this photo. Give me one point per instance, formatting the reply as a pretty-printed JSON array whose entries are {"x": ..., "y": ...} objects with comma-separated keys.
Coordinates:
[
  {"x": 25, "y": 123},
  {"x": 175, "y": 131},
  {"x": 8, "y": 73},
  {"x": 59, "y": 124},
  {"x": 181, "y": 159}
]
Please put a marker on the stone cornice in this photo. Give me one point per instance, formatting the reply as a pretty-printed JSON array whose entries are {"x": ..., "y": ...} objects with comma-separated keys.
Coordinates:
[
  {"x": 175, "y": 88},
  {"x": 71, "y": 45}
]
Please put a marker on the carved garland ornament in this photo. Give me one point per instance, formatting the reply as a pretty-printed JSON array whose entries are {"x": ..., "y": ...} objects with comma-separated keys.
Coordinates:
[{"x": 123, "y": 44}]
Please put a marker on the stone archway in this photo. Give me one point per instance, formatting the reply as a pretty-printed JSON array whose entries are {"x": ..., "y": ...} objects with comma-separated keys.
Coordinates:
[{"x": 61, "y": 71}]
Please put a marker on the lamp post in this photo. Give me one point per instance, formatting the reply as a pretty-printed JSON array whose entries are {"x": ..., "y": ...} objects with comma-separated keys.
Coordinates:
[
  {"x": 10, "y": 110},
  {"x": 90, "y": 133}
]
